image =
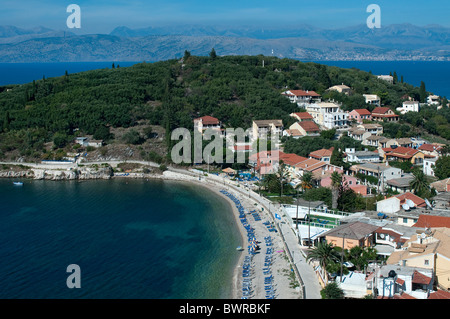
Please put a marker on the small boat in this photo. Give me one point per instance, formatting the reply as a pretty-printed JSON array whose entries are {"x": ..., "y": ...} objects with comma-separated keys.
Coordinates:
[
  {"x": 239, "y": 248},
  {"x": 18, "y": 183}
]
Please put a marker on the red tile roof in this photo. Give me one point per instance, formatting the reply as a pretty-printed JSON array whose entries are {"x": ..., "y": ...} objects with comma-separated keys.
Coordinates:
[
  {"x": 292, "y": 159},
  {"x": 303, "y": 115},
  {"x": 400, "y": 281},
  {"x": 429, "y": 147},
  {"x": 440, "y": 294},
  {"x": 401, "y": 151},
  {"x": 363, "y": 112},
  {"x": 432, "y": 221},
  {"x": 208, "y": 120},
  {"x": 309, "y": 126},
  {"x": 380, "y": 110},
  {"x": 321, "y": 153},
  {"x": 416, "y": 199},
  {"x": 421, "y": 279}
]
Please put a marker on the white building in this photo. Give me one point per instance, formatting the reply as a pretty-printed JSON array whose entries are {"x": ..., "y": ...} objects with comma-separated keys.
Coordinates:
[
  {"x": 387, "y": 78},
  {"x": 302, "y": 98},
  {"x": 433, "y": 100},
  {"x": 328, "y": 115},
  {"x": 393, "y": 280},
  {"x": 428, "y": 165},
  {"x": 263, "y": 128},
  {"x": 361, "y": 156},
  {"x": 372, "y": 99},
  {"x": 409, "y": 106},
  {"x": 353, "y": 285}
]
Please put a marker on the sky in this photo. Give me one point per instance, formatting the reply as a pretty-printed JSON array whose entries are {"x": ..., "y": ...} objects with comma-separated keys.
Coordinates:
[{"x": 102, "y": 16}]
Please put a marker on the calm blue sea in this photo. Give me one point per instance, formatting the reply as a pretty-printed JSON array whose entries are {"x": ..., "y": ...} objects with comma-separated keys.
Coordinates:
[
  {"x": 433, "y": 73},
  {"x": 131, "y": 238},
  {"x": 20, "y": 73}
]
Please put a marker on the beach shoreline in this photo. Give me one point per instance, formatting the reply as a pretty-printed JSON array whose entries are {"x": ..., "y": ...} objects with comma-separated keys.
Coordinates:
[{"x": 280, "y": 267}]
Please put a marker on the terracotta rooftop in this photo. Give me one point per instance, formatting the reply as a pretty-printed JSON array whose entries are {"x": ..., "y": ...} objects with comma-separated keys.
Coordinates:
[
  {"x": 428, "y": 221},
  {"x": 208, "y": 120},
  {"x": 309, "y": 126},
  {"x": 302, "y": 115},
  {"x": 429, "y": 147},
  {"x": 419, "y": 278},
  {"x": 321, "y": 153},
  {"x": 380, "y": 110},
  {"x": 292, "y": 159},
  {"x": 401, "y": 151},
  {"x": 363, "y": 112},
  {"x": 416, "y": 199}
]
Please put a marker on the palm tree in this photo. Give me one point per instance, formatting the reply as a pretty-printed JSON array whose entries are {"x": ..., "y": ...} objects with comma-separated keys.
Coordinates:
[
  {"x": 419, "y": 184},
  {"x": 306, "y": 180},
  {"x": 282, "y": 175},
  {"x": 336, "y": 182},
  {"x": 324, "y": 254}
]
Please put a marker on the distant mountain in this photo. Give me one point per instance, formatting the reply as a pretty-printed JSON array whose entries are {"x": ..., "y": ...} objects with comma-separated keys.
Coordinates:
[
  {"x": 12, "y": 34},
  {"x": 407, "y": 36},
  {"x": 305, "y": 42}
]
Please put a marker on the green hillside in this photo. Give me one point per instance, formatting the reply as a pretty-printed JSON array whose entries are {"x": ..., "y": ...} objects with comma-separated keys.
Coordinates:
[{"x": 169, "y": 94}]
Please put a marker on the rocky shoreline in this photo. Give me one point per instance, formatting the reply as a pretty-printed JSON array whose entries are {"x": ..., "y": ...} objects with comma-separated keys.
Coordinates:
[{"x": 59, "y": 175}]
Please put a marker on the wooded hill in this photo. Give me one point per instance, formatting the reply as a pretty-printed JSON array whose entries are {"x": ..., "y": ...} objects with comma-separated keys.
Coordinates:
[{"x": 234, "y": 89}]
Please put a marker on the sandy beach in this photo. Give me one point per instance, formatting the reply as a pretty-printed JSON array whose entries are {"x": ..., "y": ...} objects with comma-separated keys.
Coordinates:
[
  {"x": 265, "y": 274},
  {"x": 268, "y": 272}
]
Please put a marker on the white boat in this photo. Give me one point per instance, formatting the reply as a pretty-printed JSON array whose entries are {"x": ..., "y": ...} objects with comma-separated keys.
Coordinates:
[
  {"x": 239, "y": 248},
  {"x": 18, "y": 183}
]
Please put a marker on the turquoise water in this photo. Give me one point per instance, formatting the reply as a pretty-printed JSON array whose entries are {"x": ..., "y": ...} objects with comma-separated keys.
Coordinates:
[{"x": 131, "y": 238}]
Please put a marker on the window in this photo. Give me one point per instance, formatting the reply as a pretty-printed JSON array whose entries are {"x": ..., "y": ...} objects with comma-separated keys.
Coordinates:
[
  {"x": 426, "y": 262},
  {"x": 405, "y": 220}
]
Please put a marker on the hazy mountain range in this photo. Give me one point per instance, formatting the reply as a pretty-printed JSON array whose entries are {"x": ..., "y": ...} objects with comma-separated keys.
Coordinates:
[{"x": 305, "y": 42}]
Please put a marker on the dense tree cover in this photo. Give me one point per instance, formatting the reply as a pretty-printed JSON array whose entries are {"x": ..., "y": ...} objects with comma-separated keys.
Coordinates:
[
  {"x": 304, "y": 146},
  {"x": 430, "y": 119},
  {"x": 442, "y": 167},
  {"x": 235, "y": 89}
]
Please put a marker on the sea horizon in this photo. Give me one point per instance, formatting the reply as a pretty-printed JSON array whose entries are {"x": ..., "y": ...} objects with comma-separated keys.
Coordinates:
[{"x": 431, "y": 72}]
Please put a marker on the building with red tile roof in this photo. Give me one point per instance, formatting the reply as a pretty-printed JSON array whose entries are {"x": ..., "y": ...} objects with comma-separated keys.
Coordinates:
[
  {"x": 359, "y": 115},
  {"x": 306, "y": 128},
  {"x": 419, "y": 202},
  {"x": 205, "y": 122},
  {"x": 432, "y": 221},
  {"x": 302, "y": 97},
  {"x": 382, "y": 113},
  {"x": 302, "y": 116},
  {"x": 403, "y": 154},
  {"x": 322, "y": 154}
]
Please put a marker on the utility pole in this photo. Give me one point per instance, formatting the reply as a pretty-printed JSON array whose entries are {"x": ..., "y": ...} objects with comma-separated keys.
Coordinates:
[
  {"x": 296, "y": 215},
  {"x": 309, "y": 223},
  {"x": 342, "y": 255}
]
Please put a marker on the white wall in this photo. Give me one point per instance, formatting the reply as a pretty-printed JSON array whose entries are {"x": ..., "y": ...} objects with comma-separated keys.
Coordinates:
[{"x": 389, "y": 205}]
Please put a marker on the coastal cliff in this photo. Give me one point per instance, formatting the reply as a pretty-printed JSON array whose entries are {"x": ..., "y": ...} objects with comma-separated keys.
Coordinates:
[{"x": 84, "y": 173}]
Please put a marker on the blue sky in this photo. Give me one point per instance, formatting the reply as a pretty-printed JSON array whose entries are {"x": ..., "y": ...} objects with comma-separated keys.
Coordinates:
[{"x": 102, "y": 16}]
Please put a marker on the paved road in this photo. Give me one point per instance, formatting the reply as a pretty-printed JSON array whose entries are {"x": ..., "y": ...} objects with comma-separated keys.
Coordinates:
[{"x": 311, "y": 286}]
